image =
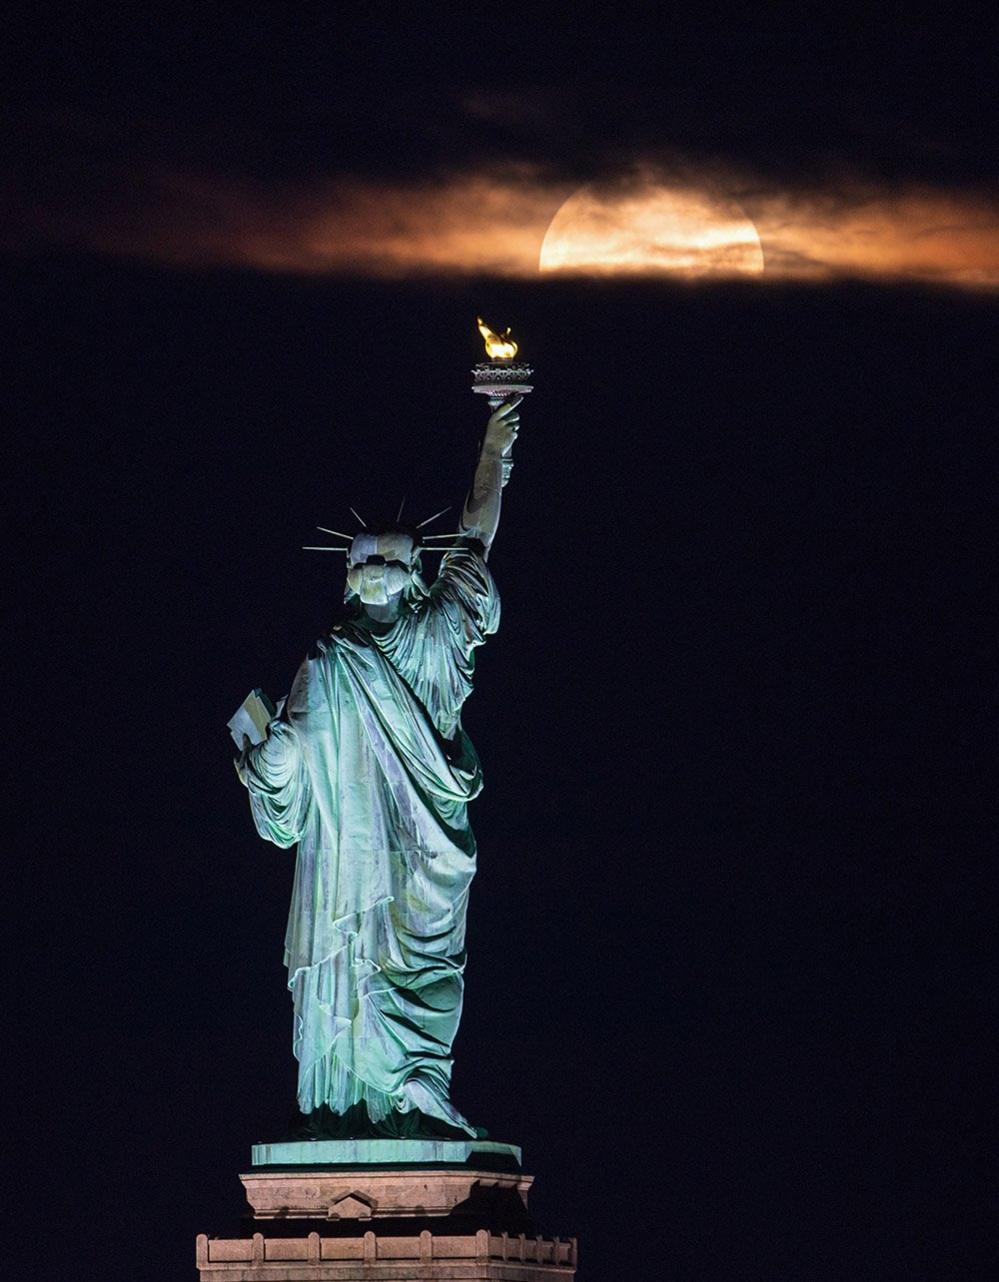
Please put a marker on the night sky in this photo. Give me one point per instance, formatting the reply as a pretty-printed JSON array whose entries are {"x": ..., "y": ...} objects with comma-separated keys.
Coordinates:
[{"x": 747, "y": 518}]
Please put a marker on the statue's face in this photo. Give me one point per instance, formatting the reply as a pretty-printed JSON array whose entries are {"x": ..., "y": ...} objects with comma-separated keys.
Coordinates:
[{"x": 379, "y": 566}]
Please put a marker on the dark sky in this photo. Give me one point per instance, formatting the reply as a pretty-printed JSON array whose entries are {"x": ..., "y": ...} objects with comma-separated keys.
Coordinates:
[
  {"x": 903, "y": 93},
  {"x": 742, "y": 524}
]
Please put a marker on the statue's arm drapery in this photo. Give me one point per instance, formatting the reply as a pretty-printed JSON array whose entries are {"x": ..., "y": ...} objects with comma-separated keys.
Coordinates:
[
  {"x": 465, "y": 594},
  {"x": 277, "y": 781},
  {"x": 434, "y": 653},
  {"x": 465, "y": 609}
]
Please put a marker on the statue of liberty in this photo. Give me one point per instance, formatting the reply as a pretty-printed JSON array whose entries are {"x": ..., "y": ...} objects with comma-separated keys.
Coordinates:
[{"x": 368, "y": 770}]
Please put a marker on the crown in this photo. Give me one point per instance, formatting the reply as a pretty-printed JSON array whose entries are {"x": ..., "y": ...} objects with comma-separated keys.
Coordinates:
[{"x": 421, "y": 542}]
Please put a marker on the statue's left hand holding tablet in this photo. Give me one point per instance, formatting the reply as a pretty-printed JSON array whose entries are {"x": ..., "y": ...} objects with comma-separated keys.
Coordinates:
[{"x": 250, "y": 724}]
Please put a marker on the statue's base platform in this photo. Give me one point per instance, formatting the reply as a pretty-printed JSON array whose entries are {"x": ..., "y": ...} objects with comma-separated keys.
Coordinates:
[
  {"x": 373, "y": 1210},
  {"x": 388, "y": 1152}
]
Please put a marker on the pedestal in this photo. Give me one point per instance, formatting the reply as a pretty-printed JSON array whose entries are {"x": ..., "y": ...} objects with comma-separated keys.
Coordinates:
[{"x": 391, "y": 1210}]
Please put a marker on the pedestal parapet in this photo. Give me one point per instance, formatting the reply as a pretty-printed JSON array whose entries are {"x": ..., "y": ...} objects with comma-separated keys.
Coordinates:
[
  {"x": 387, "y": 1211},
  {"x": 430, "y": 1256}
]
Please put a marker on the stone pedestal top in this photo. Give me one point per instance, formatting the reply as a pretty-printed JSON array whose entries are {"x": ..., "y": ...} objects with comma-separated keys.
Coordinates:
[
  {"x": 366, "y": 1193},
  {"x": 387, "y": 1152}
]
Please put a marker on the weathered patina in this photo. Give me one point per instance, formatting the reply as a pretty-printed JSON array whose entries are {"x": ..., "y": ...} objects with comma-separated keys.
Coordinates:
[{"x": 368, "y": 771}]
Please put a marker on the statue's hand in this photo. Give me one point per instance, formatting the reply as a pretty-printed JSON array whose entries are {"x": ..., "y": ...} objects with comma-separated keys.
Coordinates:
[
  {"x": 239, "y": 763},
  {"x": 502, "y": 428}
]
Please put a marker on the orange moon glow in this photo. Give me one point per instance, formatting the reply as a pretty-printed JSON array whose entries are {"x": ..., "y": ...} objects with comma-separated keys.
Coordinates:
[{"x": 651, "y": 230}]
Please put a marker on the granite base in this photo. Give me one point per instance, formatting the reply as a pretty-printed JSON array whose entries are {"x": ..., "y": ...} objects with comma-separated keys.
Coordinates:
[{"x": 455, "y": 1218}]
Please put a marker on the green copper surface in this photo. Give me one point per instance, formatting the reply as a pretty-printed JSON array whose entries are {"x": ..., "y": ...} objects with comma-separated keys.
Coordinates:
[
  {"x": 369, "y": 772},
  {"x": 386, "y": 1152}
]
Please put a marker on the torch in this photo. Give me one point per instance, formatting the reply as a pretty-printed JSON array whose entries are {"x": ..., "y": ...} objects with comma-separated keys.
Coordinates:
[{"x": 501, "y": 376}]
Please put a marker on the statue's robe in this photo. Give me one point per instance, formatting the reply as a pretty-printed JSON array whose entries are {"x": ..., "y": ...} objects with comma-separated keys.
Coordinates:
[{"x": 370, "y": 772}]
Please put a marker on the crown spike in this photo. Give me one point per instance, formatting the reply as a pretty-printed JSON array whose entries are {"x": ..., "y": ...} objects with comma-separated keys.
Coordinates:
[
  {"x": 402, "y": 504},
  {"x": 359, "y": 517},
  {"x": 309, "y": 548},
  {"x": 336, "y": 533},
  {"x": 434, "y": 517}
]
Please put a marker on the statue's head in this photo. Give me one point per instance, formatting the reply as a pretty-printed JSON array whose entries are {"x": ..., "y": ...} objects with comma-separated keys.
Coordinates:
[
  {"x": 383, "y": 562},
  {"x": 382, "y": 566}
]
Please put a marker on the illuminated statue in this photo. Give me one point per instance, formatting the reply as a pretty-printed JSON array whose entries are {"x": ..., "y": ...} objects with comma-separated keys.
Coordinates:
[{"x": 368, "y": 770}]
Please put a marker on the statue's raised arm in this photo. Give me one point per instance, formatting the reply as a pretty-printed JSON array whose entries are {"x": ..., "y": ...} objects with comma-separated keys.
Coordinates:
[{"x": 480, "y": 518}]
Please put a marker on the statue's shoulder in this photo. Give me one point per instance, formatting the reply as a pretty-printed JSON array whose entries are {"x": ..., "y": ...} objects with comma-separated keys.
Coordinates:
[{"x": 322, "y": 647}]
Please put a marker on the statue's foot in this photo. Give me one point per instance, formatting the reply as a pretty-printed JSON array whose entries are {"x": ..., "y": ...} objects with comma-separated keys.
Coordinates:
[
  {"x": 324, "y": 1124},
  {"x": 355, "y": 1124},
  {"x": 421, "y": 1096}
]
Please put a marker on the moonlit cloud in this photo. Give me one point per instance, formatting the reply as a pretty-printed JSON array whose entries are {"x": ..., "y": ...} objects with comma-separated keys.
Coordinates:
[
  {"x": 494, "y": 222},
  {"x": 650, "y": 228},
  {"x": 471, "y": 224},
  {"x": 919, "y": 235}
]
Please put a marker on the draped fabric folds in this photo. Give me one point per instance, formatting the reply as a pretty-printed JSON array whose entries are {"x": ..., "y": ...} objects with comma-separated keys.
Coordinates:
[{"x": 370, "y": 772}]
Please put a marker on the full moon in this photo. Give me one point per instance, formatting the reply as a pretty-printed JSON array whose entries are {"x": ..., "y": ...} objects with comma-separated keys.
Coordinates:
[{"x": 651, "y": 229}]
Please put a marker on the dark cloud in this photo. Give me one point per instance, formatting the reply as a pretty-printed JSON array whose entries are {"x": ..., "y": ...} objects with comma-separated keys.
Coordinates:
[{"x": 795, "y": 98}]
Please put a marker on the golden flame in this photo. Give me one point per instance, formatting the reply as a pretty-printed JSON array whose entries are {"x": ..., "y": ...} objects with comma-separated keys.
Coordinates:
[{"x": 499, "y": 347}]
